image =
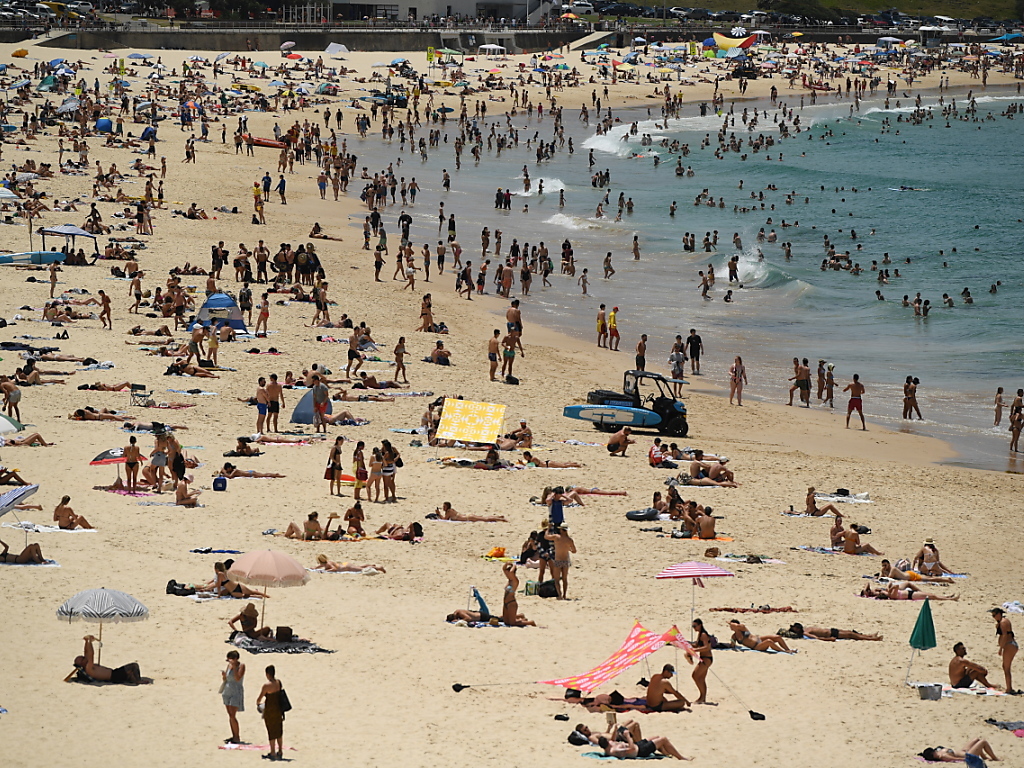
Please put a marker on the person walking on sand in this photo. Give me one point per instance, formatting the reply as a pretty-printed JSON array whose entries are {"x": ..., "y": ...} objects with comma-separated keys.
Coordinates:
[
  {"x": 1007, "y": 646},
  {"x": 272, "y": 697},
  {"x": 105, "y": 317},
  {"x": 232, "y": 693},
  {"x": 856, "y": 390},
  {"x": 737, "y": 378},
  {"x": 695, "y": 347},
  {"x": 562, "y": 561}
]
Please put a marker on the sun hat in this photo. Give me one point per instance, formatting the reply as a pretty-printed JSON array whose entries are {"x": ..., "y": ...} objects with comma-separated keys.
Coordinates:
[{"x": 250, "y": 610}]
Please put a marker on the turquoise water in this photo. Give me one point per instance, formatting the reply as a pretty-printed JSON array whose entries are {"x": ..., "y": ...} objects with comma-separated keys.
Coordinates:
[{"x": 970, "y": 200}]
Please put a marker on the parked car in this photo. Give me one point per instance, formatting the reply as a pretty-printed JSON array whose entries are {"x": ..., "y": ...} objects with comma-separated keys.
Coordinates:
[
  {"x": 698, "y": 14},
  {"x": 580, "y": 7}
]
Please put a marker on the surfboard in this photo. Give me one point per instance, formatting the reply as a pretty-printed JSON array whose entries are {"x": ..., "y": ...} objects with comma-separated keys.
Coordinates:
[{"x": 612, "y": 414}]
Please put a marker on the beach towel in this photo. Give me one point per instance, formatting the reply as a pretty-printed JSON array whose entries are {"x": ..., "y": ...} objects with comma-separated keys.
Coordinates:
[
  {"x": 411, "y": 394},
  {"x": 819, "y": 550},
  {"x": 364, "y": 572},
  {"x": 603, "y": 756},
  {"x": 853, "y": 498},
  {"x": 1016, "y": 726},
  {"x": 410, "y": 430},
  {"x": 47, "y": 564},
  {"x": 25, "y": 525},
  {"x": 165, "y": 407},
  {"x": 720, "y": 646},
  {"x": 731, "y": 558},
  {"x": 787, "y": 513},
  {"x": 762, "y": 609},
  {"x": 578, "y": 442},
  {"x": 205, "y": 597},
  {"x": 191, "y": 392},
  {"x": 208, "y": 551},
  {"x": 1012, "y": 606},
  {"x": 120, "y": 491},
  {"x": 269, "y": 646},
  {"x": 251, "y": 747},
  {"x": 98, "y": 367},
  {"x": 166, "y": 504}
]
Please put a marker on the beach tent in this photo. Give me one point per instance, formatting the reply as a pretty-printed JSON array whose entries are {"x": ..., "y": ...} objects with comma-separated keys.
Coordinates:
[
  {"x": 334, "y": 48},
  {"x": 303, "y": 413},
  {"x": 221, "y": 309},
  {"x": 491, "y": 49},
  {"x": 470, "y": 421},
  {"x": 67, "y": 231},
  {"x": 640, "y": 644},
  {"x": 149, "y": 132},
  {"x": 103, "y": 125}
]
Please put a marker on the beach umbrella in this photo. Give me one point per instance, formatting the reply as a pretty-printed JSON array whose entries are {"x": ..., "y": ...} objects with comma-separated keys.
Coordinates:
[
  {"x": 396, "y": 62},
  {"x": 261, "y": 64},
  {"x": 102, "y": 605},
  {"x": 267, "y": 568},
  {"x": 568, "y": 16},
  {"x": 923, "y": 636},
  {"x": 277, "y": 84},
  {"x": 196, "y": 58},
  {"x": 294, "y": 56},
  {"x": 56, "y": 62},
  {"x": 221, "y": 56},
  {"x": 639, "y": 40},
  {"x": 110, "y": 456},
  {"x": 709, "y": 42},
  {"x": 696, "y": 572},
  {"x": 6, "y": 194},
  {"x": 287, "y": 45},
  {"x": 494, "y": 71},
  {"x": 12, "y": 498},
  {"x": 8, "y": 424},
  {"x": 138, "y": 55}
]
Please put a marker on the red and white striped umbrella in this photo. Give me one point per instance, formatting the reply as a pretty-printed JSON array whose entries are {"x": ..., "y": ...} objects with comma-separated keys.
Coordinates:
[{"x": 693, "y": 570}]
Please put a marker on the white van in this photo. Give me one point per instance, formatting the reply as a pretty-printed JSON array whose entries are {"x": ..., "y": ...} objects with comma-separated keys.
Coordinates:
[{"x": 581, "y": 7}]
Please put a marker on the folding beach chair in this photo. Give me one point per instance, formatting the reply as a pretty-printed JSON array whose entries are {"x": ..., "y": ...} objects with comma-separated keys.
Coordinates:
[{"x": 140, "y": 395}]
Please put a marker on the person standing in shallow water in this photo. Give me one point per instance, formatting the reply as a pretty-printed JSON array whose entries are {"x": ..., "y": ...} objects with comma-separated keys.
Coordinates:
[{"x": 856, "y": 390}]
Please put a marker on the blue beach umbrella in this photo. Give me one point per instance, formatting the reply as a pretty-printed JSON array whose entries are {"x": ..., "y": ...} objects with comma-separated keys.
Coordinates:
[
  {"x": 396, "y": 62},
  {"x": 139, "y": 56}
]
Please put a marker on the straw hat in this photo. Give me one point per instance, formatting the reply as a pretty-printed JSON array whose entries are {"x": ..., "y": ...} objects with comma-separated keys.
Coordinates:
[
  {"x": 322, "y": 559},
  {"x": 250, "y": 610},
  {"x": 929, "y": 540}
]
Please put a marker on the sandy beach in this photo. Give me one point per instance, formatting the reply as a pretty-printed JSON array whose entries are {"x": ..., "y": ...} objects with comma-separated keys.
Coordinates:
[{"x": 385, "y": 697}]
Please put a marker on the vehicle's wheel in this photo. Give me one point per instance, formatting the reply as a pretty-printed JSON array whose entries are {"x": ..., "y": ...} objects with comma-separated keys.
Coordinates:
[{"x": 677, "y": 427}]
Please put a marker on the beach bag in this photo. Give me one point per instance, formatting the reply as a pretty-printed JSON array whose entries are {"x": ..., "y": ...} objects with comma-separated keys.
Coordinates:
[
  {"x": 284, "y": 635},
  {"x": 286, "y": 704},
  {"x": 220, "y": 483},
  {"x": 642, "y": 515},
  {"x": 328, "y": 473},
  {"x": 547, "y": 589},
  {"x": 712, "y": 552},
  {"x": 510, "y": 379},
  {"x": 361, "y": 475},
  {"x": 842, "y": 491},
  {"x": 399, "y": 463}
]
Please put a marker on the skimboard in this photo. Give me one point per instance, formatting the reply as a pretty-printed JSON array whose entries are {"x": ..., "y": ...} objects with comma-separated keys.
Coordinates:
[{"x": 612, "y": 414}]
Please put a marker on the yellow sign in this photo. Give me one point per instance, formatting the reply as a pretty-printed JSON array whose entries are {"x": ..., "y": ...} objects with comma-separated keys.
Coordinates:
[
  {"x": 470, "y": 421},
  {"x": 430, "y": 55},
  {"x": 121, "y": 66}
]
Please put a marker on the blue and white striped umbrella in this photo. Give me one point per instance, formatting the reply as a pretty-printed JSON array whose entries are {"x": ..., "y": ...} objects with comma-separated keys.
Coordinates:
[
  {"x": 15, "y": 496},
  {"x": 102, "y": 605}
]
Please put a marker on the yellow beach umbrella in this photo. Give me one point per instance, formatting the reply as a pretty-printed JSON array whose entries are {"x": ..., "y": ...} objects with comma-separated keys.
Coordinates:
[
  {"x": 563, "y": 16},
  {"x": 21, "y": 53}
]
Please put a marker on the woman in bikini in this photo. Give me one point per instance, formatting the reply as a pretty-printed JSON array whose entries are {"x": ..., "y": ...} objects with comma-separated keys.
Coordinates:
[
  {"x": 737, "y": 378},
  {"x": 902, "y": 590},
  {"x": 741, "y": 636},
  {"x": 29, "y": 555},
  {"x": 376, "y": 475},
  {"x": 811, "y": 507},
  {"x": 231, "y": 471},
  {"x": 34, "y": 439},
  {"x": 927, "y": 561},
  {"x": 978, "y": 747},
  {"x": 334, "y": 465},
  {"x": 132, "y": 457},
  {"x": 426, "y": 314},
  {"x": 310, "y": 530},
  {"x": 529, "y": 460},
  {"x": 224, "y": 586},
  {"x": 702, "y": 647},
  {"x": 510, "y": 606},
  {"x": 399, "y": 353},
  {"x": 1007, "y": 646},
  {"x": 323, "y": 564}
]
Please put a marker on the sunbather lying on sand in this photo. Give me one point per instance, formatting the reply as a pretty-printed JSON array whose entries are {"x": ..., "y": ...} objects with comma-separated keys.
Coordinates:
[
  {"x": 529, "y": 460},
  {"x": 798, "y": 631},
  {"x": 446, "y": 512},
  {"x": 229, "y": 470},
  {"x": 631, "y": 750},
  {"x": 99, "y": 386},
  {"x": 344, "y": 396},
  {"x": 180, "y": 367},
  {"x": 323, "y": 564},
  {"x": 371, "y": 382},
  {"x": 400, "y": 532},
  {"x": 163, "y": 330},
  {"x": 741, "y": 636},
  {"x": 13, "y": 441},
  {"x": 891, "y": 572},
  {"x": 977, "y": 747},
  {"x": 91, "y": 414},
  {"x": 30, "y": 554},
  {"x": 902, "y": 590},
  {"x": 343, "y": 418}
]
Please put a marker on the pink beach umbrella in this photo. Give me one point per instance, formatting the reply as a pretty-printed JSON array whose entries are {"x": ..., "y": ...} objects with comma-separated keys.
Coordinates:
[
  {"x": 267, "y": 568},
  {"x": 696, "y": 572}
]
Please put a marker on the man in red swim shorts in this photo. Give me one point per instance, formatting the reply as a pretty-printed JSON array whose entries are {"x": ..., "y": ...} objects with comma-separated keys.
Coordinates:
[{"x": 856, "y": 390}]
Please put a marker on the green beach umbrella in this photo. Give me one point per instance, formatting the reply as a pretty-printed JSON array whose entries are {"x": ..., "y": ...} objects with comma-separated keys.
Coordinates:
[{"x": 923, "y": 636}]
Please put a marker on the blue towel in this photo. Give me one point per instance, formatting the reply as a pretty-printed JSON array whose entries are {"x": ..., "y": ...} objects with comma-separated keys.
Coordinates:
[{"x": 603, "y": 756}]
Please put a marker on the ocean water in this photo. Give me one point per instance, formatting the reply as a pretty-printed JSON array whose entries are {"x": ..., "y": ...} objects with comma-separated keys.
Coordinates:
[{"x": 846, "y": 172}]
